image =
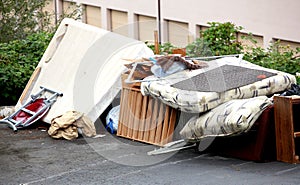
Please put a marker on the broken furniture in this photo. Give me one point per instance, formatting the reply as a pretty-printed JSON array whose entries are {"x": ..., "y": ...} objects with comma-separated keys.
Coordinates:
[
  {"x": 287, "y": 117},
  {"x": 143, "y": 118},
  {"x": 258, "y": 144},
  {"x": 230, "y": 118},
  {"x": 225, "y": 79},
  {"x": 33, "y": 110}
]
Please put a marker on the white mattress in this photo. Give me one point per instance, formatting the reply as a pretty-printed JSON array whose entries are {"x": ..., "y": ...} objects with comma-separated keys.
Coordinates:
[{"x": 84, "y": 63}]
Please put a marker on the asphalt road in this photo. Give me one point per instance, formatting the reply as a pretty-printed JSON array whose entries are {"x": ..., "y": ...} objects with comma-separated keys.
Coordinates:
[{"x": 31, "y": 157}]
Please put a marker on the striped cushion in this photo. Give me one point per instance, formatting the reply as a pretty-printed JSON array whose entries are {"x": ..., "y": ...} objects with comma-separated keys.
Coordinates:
[{"x": 232, "y": 117}]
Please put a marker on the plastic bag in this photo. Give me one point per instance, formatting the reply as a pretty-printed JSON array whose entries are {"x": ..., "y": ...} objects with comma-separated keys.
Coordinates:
[
  {"x": 158, "y": 71},
  {"x": 112, "y": 119},
  {"x": 294, "y": 90}
]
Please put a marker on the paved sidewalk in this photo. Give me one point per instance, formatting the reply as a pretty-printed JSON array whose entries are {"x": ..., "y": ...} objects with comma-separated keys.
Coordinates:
[{"x": 30, "y": 156}]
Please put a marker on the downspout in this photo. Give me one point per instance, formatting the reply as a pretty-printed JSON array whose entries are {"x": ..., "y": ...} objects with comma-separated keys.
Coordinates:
[
  {"x": 55, "y": 11},
  {"x": 159, "y": 21}
]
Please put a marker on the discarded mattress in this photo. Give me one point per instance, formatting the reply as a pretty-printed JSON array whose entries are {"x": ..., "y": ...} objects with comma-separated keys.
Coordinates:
[
  {"x": 224, "y": 79},
  {"x": 85, "y": 64},
  {"x": 233, "y": 117}
]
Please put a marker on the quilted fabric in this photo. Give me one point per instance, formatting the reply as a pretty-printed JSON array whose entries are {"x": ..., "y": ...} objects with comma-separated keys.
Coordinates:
[
  {"x": 232, "y": 117},
  {"x": 222, "y": 79},
  {"x": 194, "y": 101}
]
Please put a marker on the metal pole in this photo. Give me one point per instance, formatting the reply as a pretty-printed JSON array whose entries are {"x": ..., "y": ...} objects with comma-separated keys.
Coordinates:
[
  {"x": 159, "y": 21},
  {"x": 56, "y": 13}
]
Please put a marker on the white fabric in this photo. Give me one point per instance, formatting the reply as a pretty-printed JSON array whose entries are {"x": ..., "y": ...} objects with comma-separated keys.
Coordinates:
[{"x": 85, "y": 64}]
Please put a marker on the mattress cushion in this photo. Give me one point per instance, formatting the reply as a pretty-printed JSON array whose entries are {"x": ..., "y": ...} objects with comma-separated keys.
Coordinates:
[{"x": 233, "y": 117}]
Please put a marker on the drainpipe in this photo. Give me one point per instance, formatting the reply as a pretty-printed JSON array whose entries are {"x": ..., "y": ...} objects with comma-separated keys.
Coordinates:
[
  {"x": 55, "y": 11},
  {"x": 159, "y": 21}
]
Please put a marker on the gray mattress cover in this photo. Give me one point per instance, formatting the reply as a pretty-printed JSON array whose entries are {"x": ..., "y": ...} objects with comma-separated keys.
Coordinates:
[{"x": 223, "y": 78}]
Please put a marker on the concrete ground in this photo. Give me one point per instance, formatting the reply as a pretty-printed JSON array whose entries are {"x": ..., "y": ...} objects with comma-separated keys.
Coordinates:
[{"x": 30, "y": 156}]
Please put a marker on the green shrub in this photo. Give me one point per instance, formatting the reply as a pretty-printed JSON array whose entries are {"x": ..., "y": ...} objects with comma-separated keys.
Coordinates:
[
  {"x": 222, "y": 38},
  {"x": 277, "y": 57},
  {"x": 199, "y": 48},
  {"x": 165, "y": 48},
  {"x": 18, "y": 60},
  {"x": 218, "y": 39},
  {"x": 19, "y": 18}
]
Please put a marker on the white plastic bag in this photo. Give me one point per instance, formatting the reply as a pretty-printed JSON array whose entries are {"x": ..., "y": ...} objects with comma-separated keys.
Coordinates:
[
  {"x": 175, "y": 67},
  {"x": 112, "y": 119}
]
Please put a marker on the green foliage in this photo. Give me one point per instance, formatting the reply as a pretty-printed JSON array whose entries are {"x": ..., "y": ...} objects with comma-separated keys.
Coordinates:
[
  {"x": 25, "y": 32},
  {"x": 221, "y": 38},
  {"x": 18, "y": 59},
  {"x": 218, "y": 39},
  {"x": 20, "y": 18},
  {"x": 165, "y": 48},
  {"x": 199, "y": 48},
  {"x": 276, "y": 57}
]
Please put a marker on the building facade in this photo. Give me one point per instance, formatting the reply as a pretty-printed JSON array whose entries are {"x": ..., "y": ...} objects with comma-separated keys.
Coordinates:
[{"x": 179, "y": 22}]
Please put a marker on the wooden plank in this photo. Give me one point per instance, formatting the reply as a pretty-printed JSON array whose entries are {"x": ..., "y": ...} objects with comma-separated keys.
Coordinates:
[
  {"x": 282, "y": 138},
  {"x": 143, "y": 118},
  {"x": 33, "y": 77},
  {"x": 296, "y": 134},
  {"x": 172, "y": 124},
  {"x": 153, "y": 121},
  {"x": 131, "y": 109},
  {"x": 156, "y": 43},
  {"x": 159, "y": 126},
  {"x": 148, "y": 119},
  {"x": 284, "y": 126},
  {"x": 126, "y": 108},
  {"x": 131, "y": 86},
  {"x": 137, "y": 115},
  {"x": 164, "y": 135},
  {"x": 123, "y": 110}
]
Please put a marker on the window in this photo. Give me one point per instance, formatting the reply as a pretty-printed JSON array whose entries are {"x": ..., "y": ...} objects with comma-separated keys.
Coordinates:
[
  {"x": 178, "y": 34},
  {"x": 246, "y": 42},
  {"x": 119, "y": 21},
  {"x": 93, "y": 15},
  {"x": 146, "y": 27},
  {"x": 200, "y": 28},
  {"x": 69, "y": 7},
  {"x": 290, "y": 44}
]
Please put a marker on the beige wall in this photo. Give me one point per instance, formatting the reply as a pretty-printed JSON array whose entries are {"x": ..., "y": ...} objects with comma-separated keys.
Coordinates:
[{"x": 268, "y": 19}]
